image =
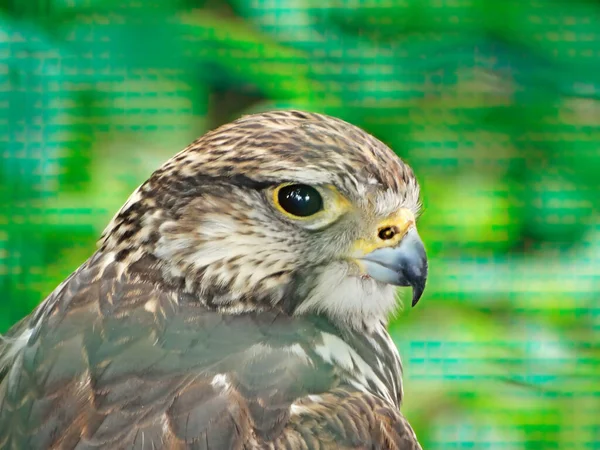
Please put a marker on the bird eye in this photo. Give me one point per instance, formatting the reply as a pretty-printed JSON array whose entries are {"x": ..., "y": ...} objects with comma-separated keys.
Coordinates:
[{"x": 300, "y": 200}]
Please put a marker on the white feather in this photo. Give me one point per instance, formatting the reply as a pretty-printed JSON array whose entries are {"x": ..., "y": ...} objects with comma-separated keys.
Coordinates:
[
  {"x": 13, "y": 347},
  {"x": 335, "y": 351},
  {"x": 352, "y": 300},
  {"x": 221, "y": 381}
]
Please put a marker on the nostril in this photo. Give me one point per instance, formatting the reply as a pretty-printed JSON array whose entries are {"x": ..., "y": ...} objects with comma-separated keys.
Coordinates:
[{"x": 387, "y": 233}]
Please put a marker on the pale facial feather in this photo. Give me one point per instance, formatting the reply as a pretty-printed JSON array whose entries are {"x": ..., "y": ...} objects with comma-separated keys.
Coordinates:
[
  {"x": 349, "y": 298},
  {"x": 239, "y": 245}
]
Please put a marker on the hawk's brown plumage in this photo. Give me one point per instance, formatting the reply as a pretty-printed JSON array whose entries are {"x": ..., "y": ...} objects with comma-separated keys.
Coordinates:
[{"x": 211, "y": 319}]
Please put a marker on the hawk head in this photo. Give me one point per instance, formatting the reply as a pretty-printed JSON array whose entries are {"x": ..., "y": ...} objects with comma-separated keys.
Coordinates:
[{"x": 284, "y": 209}]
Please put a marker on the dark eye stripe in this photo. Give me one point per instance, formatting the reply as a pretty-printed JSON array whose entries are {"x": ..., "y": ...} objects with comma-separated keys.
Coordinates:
[{"x": 300, "y": 200}]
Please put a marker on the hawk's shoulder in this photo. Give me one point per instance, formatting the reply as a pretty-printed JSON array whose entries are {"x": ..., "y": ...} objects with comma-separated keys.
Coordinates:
[{"x": 114, "y": 358}]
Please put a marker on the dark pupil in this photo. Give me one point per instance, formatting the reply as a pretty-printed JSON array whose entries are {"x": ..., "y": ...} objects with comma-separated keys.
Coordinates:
[{"x": 300, "y": 200}]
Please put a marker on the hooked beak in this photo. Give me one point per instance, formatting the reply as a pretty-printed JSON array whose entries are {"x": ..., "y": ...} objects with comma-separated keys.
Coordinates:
[{"x": 402, "y": 265}]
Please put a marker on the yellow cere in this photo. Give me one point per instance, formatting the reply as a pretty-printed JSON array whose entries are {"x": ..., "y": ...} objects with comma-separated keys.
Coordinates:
[{"x": 403, "y": 220}]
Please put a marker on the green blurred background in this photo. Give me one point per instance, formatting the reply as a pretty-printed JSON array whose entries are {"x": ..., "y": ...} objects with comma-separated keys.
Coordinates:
[{"x": 495, "y": 104}]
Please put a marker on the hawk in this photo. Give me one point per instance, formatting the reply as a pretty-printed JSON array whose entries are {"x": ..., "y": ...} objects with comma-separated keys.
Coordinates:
[{"x": 238, "y": 300}]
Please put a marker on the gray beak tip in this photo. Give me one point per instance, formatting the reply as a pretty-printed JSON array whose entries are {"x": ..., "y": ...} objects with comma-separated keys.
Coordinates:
[{"x": 417, "y": 293}]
